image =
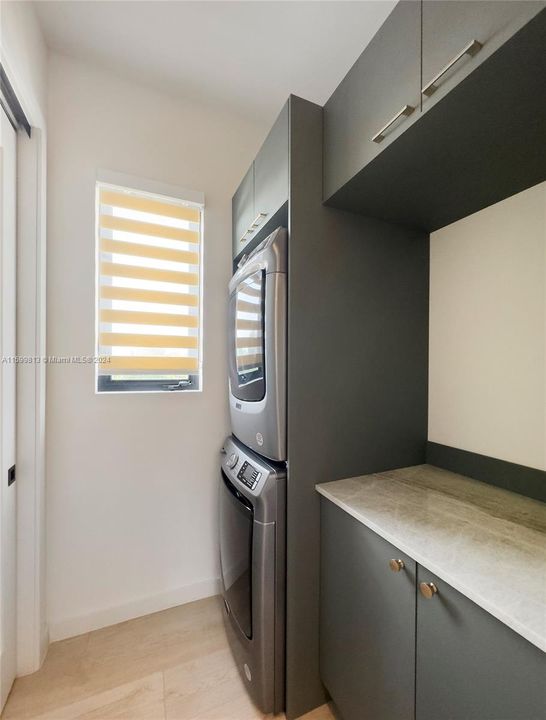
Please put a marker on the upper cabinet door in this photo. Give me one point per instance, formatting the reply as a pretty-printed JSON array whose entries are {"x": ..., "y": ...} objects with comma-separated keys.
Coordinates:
[
  {"x": 242, "y": 209},
  {"x": 377, "y": 100},
  {"x": 459, "y": 35},
  {"x": 470, "y": 666},
  {"x": 271, "y": 171}
]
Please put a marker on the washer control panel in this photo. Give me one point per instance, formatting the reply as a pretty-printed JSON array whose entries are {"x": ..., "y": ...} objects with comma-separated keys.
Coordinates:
[{"x": 248, "y": 475}]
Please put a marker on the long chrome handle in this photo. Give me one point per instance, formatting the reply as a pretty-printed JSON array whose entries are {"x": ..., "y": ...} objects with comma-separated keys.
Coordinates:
[
  {"x": 471, "y": 49},
  {"x": 406, "y": 111},
  {"x": 243, "y": 236},
  {"x": 259, "y": 219}
]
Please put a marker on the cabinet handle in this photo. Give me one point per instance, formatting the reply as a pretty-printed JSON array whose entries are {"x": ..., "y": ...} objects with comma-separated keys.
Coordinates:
[
  {"x": 406, "y": 111},
  {"x": 428, "y": 590},
  {"x": 471, "y": 49},
  {"x": 396, "y": 565},
  {"x": 243, "y": 236},
  {"x": 258, "y": 220}
]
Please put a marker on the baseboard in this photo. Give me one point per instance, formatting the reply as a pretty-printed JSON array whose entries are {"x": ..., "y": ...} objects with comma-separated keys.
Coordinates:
[
  {"x": 509, "y": 476},
  {"x": 61, "y": 629}
]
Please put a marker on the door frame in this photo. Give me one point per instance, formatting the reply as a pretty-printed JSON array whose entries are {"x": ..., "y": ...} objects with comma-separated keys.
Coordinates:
[{"x": 32, "y": 629}]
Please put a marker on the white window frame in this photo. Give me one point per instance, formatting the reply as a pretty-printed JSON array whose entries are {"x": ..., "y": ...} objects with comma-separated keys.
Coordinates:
[{"x": 133, "y": 182}]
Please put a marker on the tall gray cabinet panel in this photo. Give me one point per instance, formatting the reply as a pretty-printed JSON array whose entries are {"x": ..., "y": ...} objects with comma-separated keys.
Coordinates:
[
  {"x": 367, "y": 641},
  {"x": 357, "y": 290},
  {"x": 243, "y": 211},
  {"x": 271, "y": 170},
  {"x": 384, "y": 79},
  {"x": 470, "y": 666},
  {"x": 450, "y": 27}
]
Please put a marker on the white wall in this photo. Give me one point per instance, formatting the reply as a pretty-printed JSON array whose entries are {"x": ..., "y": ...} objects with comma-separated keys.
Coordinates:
[
  {"x": 24, "y": 57},
  {"x": 132, "y": 479},
  {"x": 487, "y": 387}
]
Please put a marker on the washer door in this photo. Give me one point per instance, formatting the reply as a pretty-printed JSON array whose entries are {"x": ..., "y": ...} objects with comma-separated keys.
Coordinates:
[{"x": 236, "y": 523}]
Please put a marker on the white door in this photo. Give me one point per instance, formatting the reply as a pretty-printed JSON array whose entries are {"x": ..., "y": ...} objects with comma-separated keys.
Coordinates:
[{"x": 7, "y": 407}]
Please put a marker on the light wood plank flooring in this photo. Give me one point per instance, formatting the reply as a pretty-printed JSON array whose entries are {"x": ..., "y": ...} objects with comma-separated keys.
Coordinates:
[{"x": 173, "y": 665}]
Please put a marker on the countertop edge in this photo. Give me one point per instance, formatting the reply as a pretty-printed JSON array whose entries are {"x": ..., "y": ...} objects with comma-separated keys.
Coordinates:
[{"x": 468, "y": 592}]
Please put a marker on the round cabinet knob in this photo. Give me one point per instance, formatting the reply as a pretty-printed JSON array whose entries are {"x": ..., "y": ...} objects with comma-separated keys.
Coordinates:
[
  {"x": 232, "y": 460},
  {"x": 396, "y": 565},
  {"x": 428, "y": 590}
]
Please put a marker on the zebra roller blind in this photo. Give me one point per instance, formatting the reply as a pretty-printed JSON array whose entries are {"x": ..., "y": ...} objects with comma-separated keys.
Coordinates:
[{"x": 148, "y": 291}]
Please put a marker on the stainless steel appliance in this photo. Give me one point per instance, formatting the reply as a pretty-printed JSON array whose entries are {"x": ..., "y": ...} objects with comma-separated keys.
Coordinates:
[
  {"x": 257, "y": 348},
  {"x": 252, "y": 560}
]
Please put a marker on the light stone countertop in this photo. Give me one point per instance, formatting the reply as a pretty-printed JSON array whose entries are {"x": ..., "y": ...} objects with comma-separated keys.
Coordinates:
[{"x": 487, "y": 543}]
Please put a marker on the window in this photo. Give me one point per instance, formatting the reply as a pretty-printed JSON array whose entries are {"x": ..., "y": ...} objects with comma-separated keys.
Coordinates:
[{"x": 149, "y": 279}]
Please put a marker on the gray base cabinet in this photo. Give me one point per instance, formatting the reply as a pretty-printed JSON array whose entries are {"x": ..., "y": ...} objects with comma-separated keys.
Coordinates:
[
  {"x": 367, "y": 640},
  {"x": 387, "y": 652},
  {"x": 470, "y": 666}
]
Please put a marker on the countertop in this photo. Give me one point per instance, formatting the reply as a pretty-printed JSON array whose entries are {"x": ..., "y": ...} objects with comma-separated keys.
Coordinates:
[{"x": 487, "y": 543}]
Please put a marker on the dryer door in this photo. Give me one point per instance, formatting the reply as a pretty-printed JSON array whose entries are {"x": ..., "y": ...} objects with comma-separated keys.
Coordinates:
[
  {"x": 246, "y": 338},
  {"x": 236, "y": 524}
]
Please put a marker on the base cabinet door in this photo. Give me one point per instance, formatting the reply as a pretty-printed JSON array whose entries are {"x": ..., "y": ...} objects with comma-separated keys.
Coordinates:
[
  {"x": 470, "y": 666},
  {"x": 367, "y": 625}
]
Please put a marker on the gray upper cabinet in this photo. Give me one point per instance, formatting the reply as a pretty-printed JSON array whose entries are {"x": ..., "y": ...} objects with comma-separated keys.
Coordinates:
[
  {"x": 459, "y": 35},
  {"x": 367, "y": 620},
  {"x": 271, "y": 171},
  {"x": 243, "y": 212},
  {"x": 264, "y": 189},
  {"x": 470, "y": 666},
  {"x": 420, "y": 54},
  {"x": 381, "y": 88}
]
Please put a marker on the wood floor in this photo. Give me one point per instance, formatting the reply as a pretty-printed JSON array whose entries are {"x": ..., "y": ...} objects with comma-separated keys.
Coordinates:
[{"x": 173, "y": 665}]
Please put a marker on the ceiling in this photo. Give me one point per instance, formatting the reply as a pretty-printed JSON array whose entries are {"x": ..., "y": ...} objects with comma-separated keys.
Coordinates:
[{"x": 243, "y": 57}]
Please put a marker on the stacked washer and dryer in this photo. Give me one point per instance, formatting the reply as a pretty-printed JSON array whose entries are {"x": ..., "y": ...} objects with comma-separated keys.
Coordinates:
[{"x": 253, "y": 472}]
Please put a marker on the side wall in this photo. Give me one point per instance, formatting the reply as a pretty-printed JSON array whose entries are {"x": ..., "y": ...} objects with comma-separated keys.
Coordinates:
[
  {"x": 357, "y": 382},
  {"x": 487, "y": 389},
  {"x": 132, "y": 479}
]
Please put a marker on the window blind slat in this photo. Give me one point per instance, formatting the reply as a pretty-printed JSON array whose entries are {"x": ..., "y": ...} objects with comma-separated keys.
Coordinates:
[
  {"x": 112, "y": 222},
  {"x": 108, "y": 339},
  {"x": 146, "y": 273},
  {"x": 249, "y": 324},
  {"x": 130, "y": 317},
  {"x": 249, "y": 307},
  {"x": 148, "y": 205},
  {"x": 119, "y": 247},
  {"x": 121, "y": 364},
  {"x": 249, "y": 342},
  {"x": 111, "y": 292},
  {"x": 249, "y": 361}
]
